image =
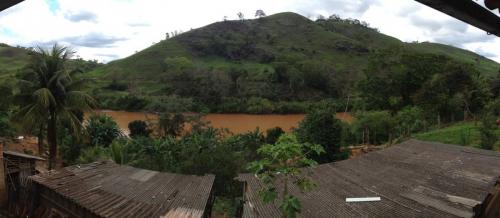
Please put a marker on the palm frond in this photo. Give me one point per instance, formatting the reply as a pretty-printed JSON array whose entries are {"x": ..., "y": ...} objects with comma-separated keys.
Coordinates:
[
  {"x": 44, "y": 98},
  {"x": 80, "y": 100}
]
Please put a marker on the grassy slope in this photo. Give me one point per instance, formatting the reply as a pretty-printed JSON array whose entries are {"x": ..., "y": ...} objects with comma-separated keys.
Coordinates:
[
  {"x": 11, "y": 60},
  {"x": 465, "y": 133},
  {"x": 483, "y": 64}
]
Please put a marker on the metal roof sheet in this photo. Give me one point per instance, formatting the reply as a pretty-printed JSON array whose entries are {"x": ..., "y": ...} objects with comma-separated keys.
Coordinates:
[
  {"x": 413, "y": 179},
  {"x": 111, "y": 190},
  {"x": 23, "y": 155}
]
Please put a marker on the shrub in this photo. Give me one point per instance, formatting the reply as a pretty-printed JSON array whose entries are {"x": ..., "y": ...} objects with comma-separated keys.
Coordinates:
[
  {"x": 487, "y": 131},
  {"x": 273, "y": 134},
  {"x": 93, "y": 154},
  {"x": 138, "y": 128},
  {"x": 131, "y": 102},
  {"x": 376, "y": 126},
  {"x": 321, "y": 127},
  {"x": 410, "y": 120},
  {"x": 6, "y": 128},
  {"x": 102, "y": 130},
  {"x": 117, "y": 86},
  {"x": 257, "y": 105}
]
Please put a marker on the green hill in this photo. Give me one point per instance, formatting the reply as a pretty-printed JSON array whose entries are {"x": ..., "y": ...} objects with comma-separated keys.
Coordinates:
[
  {"x": 14, "y": 59},
  {"x": 345, "y": 45},
  {"x": 11, "y": 60},
  {"x": 281, "y": 58},
  {"x": 271, "y": 64}
]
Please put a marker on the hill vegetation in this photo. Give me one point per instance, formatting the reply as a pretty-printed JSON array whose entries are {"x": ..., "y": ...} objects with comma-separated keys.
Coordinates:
[{"x": 284, "y": 63}]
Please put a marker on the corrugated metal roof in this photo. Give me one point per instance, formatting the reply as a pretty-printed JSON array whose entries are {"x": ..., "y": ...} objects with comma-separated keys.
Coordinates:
[
  {"x": 23, "y": 155},
  {"x": 414, "y": 179},
  {"x": 111, "y": 190}
]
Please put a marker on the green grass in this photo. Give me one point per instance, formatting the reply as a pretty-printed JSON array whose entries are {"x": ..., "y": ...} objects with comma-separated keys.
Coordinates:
[{"x": 464, "y": 133}]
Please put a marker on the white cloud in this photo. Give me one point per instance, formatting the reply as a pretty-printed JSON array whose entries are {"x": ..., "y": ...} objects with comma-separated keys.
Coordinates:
[{"x": 111, "y": 29}]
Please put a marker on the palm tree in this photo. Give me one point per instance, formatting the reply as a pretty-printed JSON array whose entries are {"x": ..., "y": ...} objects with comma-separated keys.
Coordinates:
[{"x": 51, "y": 95}]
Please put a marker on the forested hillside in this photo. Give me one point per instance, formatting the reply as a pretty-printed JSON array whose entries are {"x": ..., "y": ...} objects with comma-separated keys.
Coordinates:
[
  {"x": 286, "y": 63},
  {"x": 282, "y": 63}
]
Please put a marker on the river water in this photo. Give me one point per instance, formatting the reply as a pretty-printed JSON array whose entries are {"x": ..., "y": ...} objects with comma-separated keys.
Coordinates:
[{"x": 236, "y": 123}]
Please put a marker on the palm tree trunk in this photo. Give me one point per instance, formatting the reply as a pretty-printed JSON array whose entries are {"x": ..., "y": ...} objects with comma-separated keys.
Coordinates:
[
  {"x": 40, "y": 140},
  {"x": 52, "y": 140}
]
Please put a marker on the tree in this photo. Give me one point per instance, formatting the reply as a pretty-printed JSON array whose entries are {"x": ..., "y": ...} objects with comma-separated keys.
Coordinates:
[
  {"x": 489, "y": 122},
  {"x": 171, "y": 124},
  {"x": 6, "y": 127},
  {"x": 138, "y": 128},
  {"x": 376, "y": 127},
  {"x": 241, "y": 16},
  {"x": 410, "y": 119},
  {"x": 273, "y": 134},
  {"x": 52, "y": 94},
  {"x": 260, "y": 13},
  {"x": 321, "y": 127},
  {"x": 487, "y": 132},
  {"x": 102, "y": 130},
  {"x": 281, "y": 163}
]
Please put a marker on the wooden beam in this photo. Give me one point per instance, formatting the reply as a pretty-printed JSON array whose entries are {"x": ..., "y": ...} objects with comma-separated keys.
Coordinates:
[
  {"x": 4, "y": 4},
  {"x": 469, "y": 12}
]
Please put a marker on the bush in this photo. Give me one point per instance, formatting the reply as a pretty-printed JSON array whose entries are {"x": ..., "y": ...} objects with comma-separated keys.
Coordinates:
[
  {"x": 257, "y": 105},
  {"x": 247, "y": 143},
  {"x": 273, "y": 134},
  {"x": 138, "y": 128},
  {"x": 93, "y": 154},
  {"x": 171, "y": 124},
  {"x": 131, "y": 102},
  {"x": 410, "y": 120},
  {"x": 321, "y": 127},
  {"x": 102, "y": 130},
  {"x": 172, "y": 104},
  {"x": 117, "y": 86},
  {"x": 376, "y": 126},
  {"x": 488, "y": 133},
  {"x": 6, "y": 128}
]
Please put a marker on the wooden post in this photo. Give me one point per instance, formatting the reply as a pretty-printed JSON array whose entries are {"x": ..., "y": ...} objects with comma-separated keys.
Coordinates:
[{"x": 3, "y": 187}]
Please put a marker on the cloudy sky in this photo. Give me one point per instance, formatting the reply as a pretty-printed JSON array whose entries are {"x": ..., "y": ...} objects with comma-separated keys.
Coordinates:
[{"x": 110, "y": 29}]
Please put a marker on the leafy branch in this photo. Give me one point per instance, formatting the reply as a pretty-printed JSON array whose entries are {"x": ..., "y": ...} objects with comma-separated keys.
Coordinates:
[{"x": 281, "y": 165}]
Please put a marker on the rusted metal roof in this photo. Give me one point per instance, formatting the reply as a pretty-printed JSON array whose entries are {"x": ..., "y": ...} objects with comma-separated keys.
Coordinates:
[
  {"x": 468, "y": 11},
  {"x": 107, "y": 189},
  {"x": 23, "y": 155},
  {"x": 4, "y": 4},
  {"x": 413, "y": 179}
]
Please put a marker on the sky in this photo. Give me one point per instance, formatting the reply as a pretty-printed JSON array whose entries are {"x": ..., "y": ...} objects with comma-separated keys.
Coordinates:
[{"x": 106, "y": 30}]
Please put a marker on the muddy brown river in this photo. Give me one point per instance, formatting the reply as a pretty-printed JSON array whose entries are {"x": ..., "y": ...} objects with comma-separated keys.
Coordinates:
[{"x": 236, "y": 123}]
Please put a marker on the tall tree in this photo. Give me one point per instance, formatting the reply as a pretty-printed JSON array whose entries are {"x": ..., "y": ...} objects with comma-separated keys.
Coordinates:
[
  {"x": 260, "y": 13},
  {"x": 53, "y": 95},
  {"x": 241, "y": 16},
  {"x": 321, "y": 127}
]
